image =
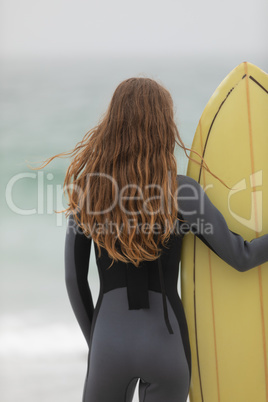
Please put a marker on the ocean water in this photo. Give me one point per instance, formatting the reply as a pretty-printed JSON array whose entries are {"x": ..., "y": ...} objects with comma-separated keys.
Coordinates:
[{"x": 47, "y": 107}]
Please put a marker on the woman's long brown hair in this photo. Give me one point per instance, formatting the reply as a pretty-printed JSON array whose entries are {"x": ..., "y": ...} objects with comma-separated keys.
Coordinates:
[{"x": 121, "y": 182}]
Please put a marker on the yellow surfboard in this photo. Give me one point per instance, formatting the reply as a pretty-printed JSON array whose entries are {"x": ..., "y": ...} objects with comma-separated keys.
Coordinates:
[{"x": 226, "y": 310}]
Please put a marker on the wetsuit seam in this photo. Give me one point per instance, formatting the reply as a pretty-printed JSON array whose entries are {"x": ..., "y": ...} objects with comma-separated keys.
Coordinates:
[
  {"x": 145, "y": 392},
  {"x": 85, "y": 384},
  {"x": 118, "y": 287},
  {"x": 164, "y": 296},
  {"x": 133, "y": 378},
  {"x": 189, "y": 363},
  {"x": 96, "y": 312},
  {"x": 81, "y": 282}
]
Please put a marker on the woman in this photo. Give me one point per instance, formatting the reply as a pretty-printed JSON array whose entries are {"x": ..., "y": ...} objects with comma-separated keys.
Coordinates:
[{"x": 126, "y": 196}]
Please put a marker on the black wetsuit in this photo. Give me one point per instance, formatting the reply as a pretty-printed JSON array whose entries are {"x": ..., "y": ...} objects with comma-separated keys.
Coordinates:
[{"x": 138, "y": 329}]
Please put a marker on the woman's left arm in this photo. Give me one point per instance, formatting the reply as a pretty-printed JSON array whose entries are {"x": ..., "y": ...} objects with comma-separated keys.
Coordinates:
[{"x": 77, "y": 255}]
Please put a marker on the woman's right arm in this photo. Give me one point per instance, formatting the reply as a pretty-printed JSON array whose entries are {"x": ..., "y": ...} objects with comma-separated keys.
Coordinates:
[{"x": 209, "y": 225}]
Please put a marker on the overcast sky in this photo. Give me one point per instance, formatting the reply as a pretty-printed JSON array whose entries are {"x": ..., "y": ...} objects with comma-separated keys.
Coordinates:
[{"x": 33, "y": 27}]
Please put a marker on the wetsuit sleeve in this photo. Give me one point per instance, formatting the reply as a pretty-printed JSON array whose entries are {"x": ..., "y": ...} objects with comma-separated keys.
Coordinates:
[
  {"x": 77, "y": 255},
  {"x": 208, "y": 224}
]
